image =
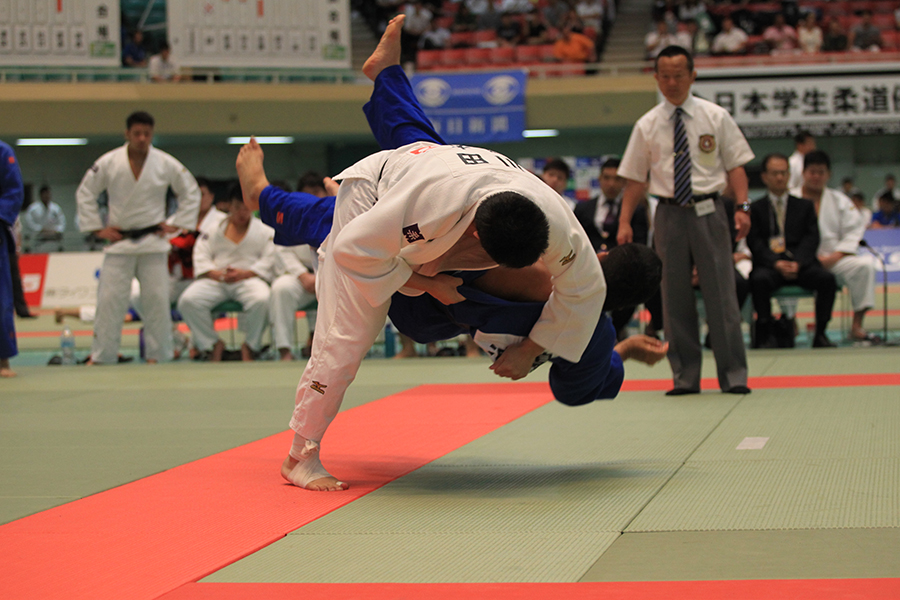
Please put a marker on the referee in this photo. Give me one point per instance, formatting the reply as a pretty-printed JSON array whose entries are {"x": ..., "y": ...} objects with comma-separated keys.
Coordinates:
[{"x": 691, "y": 150}]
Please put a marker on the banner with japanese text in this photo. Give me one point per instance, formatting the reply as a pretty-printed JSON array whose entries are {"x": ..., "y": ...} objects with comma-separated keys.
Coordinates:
[
  {"x": 474, "y": 108},
  {"x": 827, "y": 105},
  {"x": 60, "y": 33},
  {"x": 260, "y": 33}
]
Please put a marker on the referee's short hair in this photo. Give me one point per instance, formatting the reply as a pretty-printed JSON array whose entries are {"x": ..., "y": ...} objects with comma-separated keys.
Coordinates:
[{"x": 672, "y": 52}]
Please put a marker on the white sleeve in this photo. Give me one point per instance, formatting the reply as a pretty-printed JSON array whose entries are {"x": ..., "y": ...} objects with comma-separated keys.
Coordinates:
[
  {"x": 734, "y": 147},
  {"x": 636, "y": 159},
  {"x": 92, "y": 185},
  {"x": 188, "y": 194},
  {"x": 203, "y": 256},
  {"x": 290, "y": 262},
  {"x": 852, "y": 224},
  {"x": 265, "y": 264},
  {"x": 61, "y": 220},
  {"x": 29, "y": 221}
]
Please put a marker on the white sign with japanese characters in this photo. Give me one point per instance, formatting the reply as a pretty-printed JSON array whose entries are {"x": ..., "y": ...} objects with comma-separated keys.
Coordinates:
[
  {"x": 260, "y": 33},
  {"x": 833, "y": 105},
  {"x": 59, "y": 33}
]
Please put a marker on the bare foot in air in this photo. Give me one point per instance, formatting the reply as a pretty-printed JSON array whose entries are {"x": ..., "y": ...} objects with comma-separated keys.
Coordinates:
[
  {"x": 305, "y": 476},
  {"x": 250, "y": 172},
  {"x": 387, "y": 53},
  {"x": 5, "y": 371}
]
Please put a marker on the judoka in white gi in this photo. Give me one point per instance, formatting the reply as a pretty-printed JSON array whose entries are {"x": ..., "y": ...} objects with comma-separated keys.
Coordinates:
[
  {"x": 841, "y": 228},
  {"x": 44, "y": 223},
  {"x": 403, "y": 217},
  {"x": 136, "y": 178},
  {"x": 293, "y": 290},
  {"x": 234, "y": 262}
]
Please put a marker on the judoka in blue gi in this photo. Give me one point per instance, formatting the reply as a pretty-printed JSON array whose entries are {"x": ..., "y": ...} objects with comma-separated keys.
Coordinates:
[
  {"x": 12, "y": 194},
  {"x": 406, "y": 220}
]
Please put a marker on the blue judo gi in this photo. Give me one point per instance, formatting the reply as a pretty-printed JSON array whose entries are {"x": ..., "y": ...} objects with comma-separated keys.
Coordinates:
[
  {"x": 397, "y": 119},
  {"x": 12, "y": 194}
]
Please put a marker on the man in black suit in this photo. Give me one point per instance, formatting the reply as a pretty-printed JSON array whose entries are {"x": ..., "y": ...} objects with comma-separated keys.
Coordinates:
[
  {"x": 784, "y": 237},
  {"x": 600, "y": 219}
]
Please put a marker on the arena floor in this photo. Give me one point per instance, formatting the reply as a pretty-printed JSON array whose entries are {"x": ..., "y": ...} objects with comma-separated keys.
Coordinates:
[{"x": 162, "y": 481}]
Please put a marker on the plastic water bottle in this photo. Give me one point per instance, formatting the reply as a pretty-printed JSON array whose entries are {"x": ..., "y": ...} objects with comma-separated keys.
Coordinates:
[{"x": 67, "y": 346}]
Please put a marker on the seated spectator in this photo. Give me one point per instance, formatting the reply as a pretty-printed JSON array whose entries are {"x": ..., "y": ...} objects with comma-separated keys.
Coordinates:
[
  {"x": 479, "y": 7},
  {"x": 809, "y": 35},
  {"x": 294, "y": 288},
  {"x": 847, "y": 186},
  {"x": 534, "y": 30},
  {"x": 890, "y": 186},
  {"x": 859, "y": 201},
  {"x": 44, "y": 221},
  {"x": 555, "y": 12},
  {"x": 834, "y": 40},
  {"x": 731, "y": 40},
  {"x": 434, "y": 38},
  {"x": 656, "y": 40},
  {"x": 234, "y": 262},
  {"x": 779, "y": 35},
  {"x": 418, "y": 20},
  {"x": 888, "y": 214},
  {"x": 464, "y": 20},
  {"x": 161, "y": 66},
  {"x": 134, "y": 54},
  {"x": 691, "y": 9},
  {"x": 696, "y": 37},
  {"x": 509, "y": 33},
  {"x": 591, "y": 13},
  {"x": 783, "y": 239},
  {"x": 574, "y": 47},
  {"x": 556, "y": 174},
  {"x": 865, "y": 36},
  {"x": 840, "y": 230},
  {"x": 517, "y": 7}
]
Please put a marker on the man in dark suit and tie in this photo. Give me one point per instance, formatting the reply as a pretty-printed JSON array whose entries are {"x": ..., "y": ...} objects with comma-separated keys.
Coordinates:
[
  {"x": 783, "y": 238},
  {"x": 600, "y": 219}
]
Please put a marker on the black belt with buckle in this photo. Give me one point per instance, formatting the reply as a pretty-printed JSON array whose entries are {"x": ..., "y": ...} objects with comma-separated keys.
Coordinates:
[
  {"x": 694, "y": 200},
  {"x": 136, "y": 234}
]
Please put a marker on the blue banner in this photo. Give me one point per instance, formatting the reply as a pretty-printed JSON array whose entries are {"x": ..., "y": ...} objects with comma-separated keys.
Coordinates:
[
  {"x": 474, "y": 108},
  {"x": 887, "y": 243}
]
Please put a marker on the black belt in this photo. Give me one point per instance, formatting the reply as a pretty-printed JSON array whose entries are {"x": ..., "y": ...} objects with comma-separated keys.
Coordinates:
[
  {"x": 692, "y": 202},
  {"x": 136, "y": 234}
]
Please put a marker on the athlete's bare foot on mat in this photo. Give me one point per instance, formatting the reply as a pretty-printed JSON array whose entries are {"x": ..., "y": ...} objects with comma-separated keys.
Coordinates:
[
  {"x": 308, "y": 472},
  {"x": 5, "y": 371},
  {"x": 250, "y": 172},
  {"x": 387, "y": 53}
]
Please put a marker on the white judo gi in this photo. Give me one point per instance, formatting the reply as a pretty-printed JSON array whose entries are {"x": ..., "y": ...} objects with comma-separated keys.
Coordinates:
[
  {"x": 214, "y": 251},
  {"x": 288, "y": 294},
  {"x": 39, "y": 218},
  {"x": 135, "y": 204},
  {"x": 398, "y": 210},
  {"x": 841, "y": 227}
]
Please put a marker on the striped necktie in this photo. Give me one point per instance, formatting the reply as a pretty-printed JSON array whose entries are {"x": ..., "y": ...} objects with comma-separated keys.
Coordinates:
[{"x": 683, "y": 189}]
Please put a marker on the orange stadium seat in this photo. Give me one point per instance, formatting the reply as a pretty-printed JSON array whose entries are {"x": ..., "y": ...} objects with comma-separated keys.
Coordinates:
[
  {"x": 485, "y": 36},
  {"x": 527, "y": 55},
  {"x": 891, "y": 39},
  {"x": 445, "y": 22},
  {"x": 504, "y": 55},
  {"x": 884, "y": 22},
  {"x": 462, "y": 38},
  {"x": 477, "y": 57},
  {"x": 449, "y": 8},
  {"x": 453, "y": 58},
  {"x": 428, "y": 59},
  {"x": 837, "y": 9},
  {"x": 885, "y": 6}
]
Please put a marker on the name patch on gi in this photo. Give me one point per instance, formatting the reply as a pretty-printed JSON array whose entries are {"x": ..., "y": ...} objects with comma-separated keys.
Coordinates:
[
  {"x": 567, "y": 258},
  {"x": 318, "y": 387},
  {"x": 412, "y": 233},
  {"x": 279, "y": 218}
]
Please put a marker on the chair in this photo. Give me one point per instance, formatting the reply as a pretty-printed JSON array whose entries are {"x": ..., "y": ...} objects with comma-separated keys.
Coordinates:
[
  {"x": 477, "y": 57},
  {"x": 453, "y": 58},
  {"x": 485, "y": 37},
  {"x": 504, "y": 55},
  {"x": 462, "y": 39},
  {"x": 527, "y": 55},
  {"x": 427, "y": 60}
]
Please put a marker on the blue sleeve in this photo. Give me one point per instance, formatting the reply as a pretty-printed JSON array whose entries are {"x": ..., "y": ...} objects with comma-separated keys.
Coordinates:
[
  {"x": 12, "y": 192},
  {"x": 394, "y": 114},
  {"x": 296, "y": 217}
]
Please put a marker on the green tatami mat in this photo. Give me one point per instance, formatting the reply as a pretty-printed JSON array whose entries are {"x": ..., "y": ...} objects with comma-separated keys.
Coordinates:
[
  {"x": 434, "y": 558},
  {"x": 825, "y": 361},
  {"x": 741, "y": 555}
]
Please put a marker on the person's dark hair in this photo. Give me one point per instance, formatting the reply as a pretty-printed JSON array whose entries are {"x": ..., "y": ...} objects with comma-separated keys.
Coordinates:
[
  {"x": 235, "y": 194},
  {"x": 44, "y": 188},
  {"x": 847, "y": 180},
  {"x": 802, "y": 137},
  {"x": 887, "y": 197},
  {"x": 816, "y": 157},
  {"x": 204, "y": 182},
  {"x": 890, "y": 176},
  {"x": 770, "y": 156},
  {"x": 559, "y": 165},
  {"x": 611, "y": 163},
  {"x": 139, "y": 117},
  {"x": 164, "y": 46},
  {"x": 672, "y": 52},
  {"x": 632, "y": 273},
  {"x": 311, "y": 179},
  {"x": 512, "y": 229}
]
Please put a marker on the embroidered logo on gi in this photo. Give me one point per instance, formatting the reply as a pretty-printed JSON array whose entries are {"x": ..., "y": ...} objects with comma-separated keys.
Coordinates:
[
  {"x": 318, "y": 387},
  {"x": 567, "y": 258},
  {"x": 412, "y": 233},
  {"x": 422, "y": 150},
  {"x": 707, "y": 143},
  {"x": 12, "y": 160},
  {"x": 279, "y": 218}
]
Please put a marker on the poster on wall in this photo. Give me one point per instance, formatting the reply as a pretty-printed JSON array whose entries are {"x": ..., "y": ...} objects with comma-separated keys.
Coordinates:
[
  {"x": 59, "y": 33},
  {"x": 260, "y": 33}
]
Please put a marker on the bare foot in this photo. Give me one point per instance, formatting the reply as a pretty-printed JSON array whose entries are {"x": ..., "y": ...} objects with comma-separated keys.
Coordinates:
[
  {"x": 250, "y": 172},
  {"x": 285, "y": 354},
  {"x": 58, "y": 315},
  {"x": 217, "y": 352},
  {"x": 642, "y": 348},
  {"x": 151, "y": 361},
  {"x": 5, "y": 371},
  {"x": 387, "y": 53},
  {"x": 246, "y": 353},
  {"x": 299, "y": 476}
]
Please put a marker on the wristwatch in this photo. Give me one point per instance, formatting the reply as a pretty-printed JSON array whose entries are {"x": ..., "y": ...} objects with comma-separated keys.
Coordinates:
[{"x": 744, "y": 208}]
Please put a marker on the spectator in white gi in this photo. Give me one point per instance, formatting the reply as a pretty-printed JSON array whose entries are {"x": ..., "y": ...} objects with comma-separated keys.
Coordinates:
[
  {"x": 44, "y": 222},
  {"x": 803, "y": 142},
  {"x": 890, "y": 187},
  {"x": 136, "y": 178},
  {"x": 234, "y": 262},
  {"x": 731, "y": 40},
  {"x": 161, "y": 67},
  {"x": 840, "y": 228}
]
